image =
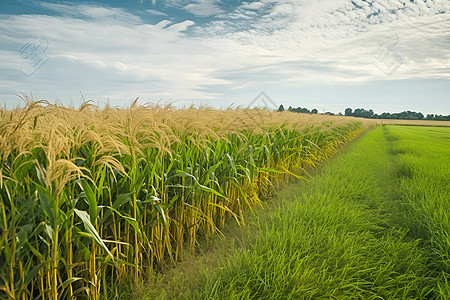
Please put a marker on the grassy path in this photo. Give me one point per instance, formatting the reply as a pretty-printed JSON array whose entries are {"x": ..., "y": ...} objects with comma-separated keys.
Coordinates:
[{"x": 372, "y": 224}]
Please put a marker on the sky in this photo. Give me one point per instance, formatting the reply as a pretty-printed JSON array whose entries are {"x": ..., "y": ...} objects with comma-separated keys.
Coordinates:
[{"x": 385, "y": 55}]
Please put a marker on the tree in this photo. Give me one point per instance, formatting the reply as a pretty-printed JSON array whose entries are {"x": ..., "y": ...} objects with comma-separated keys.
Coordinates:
[
  {"x": 386, "y": 115},
  {"x": 362, "y": 113},
  {"x": 281, "y": 108},
  {"x": 314, "y": 111},
  {"x": 348, "y": 112}
]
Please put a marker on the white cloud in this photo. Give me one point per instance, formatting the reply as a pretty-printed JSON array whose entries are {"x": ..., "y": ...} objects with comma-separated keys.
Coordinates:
[
  {"x": 153, "y": 2},
  {"x": 199, "y": 8},
  {"x": 251, "y": 5},
  {"x": 204, "y": 8},
  {"x": 182, "y": 26},
  {"x": 162, "y": 24},
  {"x": 156, "y": 12},
  {"x": 260, "y": 44},
  {"x": 93, "y": 12}
]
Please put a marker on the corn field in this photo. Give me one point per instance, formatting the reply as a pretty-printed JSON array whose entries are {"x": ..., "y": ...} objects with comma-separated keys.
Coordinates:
[{"x": 93, "y": 197}]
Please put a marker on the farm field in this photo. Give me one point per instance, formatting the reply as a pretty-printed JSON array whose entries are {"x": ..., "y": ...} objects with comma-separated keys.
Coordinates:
[
  {"x": 208, "y": 149},
  {"x": 372, "y": 223},
  {"x": 93, "y": 200},
  {"x": 415, "y": 122}
]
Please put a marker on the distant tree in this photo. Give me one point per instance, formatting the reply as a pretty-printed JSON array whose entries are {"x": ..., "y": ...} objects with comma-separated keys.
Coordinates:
[
  {"x": 314, "y": 111},
  {"x": 439, "y": 117},
  {"x": 362, "y": 113},
  {"x": 303, "y": 110},
  {"x": 281, "y": 108},
  {"x": 385, "y": 115},
  {"x": 409, "y": 115},
  {"x": 299, "y": 109},
  {"x": 405, "y": 115}
]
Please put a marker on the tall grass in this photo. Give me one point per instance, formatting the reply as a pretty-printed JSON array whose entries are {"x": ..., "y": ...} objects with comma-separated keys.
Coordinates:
[{"x": 93, "y": 197}]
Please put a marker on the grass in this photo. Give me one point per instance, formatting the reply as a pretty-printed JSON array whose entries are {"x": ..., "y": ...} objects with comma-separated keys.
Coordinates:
[
  {"x": 424, "y": 192},
  {"x": 431, "y": 123},
  {"x": 372, "y": 224}
]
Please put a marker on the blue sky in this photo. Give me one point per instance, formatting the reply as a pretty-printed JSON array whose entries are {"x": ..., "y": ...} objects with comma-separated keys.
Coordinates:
[{"x": 388, "y": 55}]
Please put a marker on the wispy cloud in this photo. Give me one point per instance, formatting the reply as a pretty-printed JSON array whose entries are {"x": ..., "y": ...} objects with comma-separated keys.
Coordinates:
[
  {"x": 156, "y": 12},
  {"x": 92, "y": 12},
  {"x": 204, "y": 8},
  {"x": 199, "y": 8},
  {"x": 153, "y": 2}
]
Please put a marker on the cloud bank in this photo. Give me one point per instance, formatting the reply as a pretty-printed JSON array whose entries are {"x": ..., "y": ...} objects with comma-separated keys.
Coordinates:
[{"x": 114, "y": 53}]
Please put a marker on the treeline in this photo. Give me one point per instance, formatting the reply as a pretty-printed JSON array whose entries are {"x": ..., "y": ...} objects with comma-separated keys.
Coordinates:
[
  {"x": 363, "y": 113},
  {"x": 299, "y": 110},
  {"x": 404, "y": 115}
]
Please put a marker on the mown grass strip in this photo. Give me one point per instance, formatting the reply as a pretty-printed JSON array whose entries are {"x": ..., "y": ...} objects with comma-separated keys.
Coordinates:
[{"x": 343, "y": 235}]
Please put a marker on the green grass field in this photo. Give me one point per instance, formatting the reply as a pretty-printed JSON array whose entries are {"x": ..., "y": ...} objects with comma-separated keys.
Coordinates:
[{"x": 373, "y": 223}]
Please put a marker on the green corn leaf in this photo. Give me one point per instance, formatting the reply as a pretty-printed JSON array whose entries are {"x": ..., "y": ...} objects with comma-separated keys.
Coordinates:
[
  {"x": 151, "y": 199},
  {"x": 35, "y": 251},
  {"x": 22, "y": 170},
  {"x": 32, "y": 273},
  {"x": 120, "y": 200},
  {"x": 131, "y": 221},
  {"x": 101, "y": 181},
  {"x": 46, "y": 204},
  {"x": 84, "y": 216},
  {"x": 22, "y": 236},
  {"x": 139, "y": 181},
  {"x": 49, "y": 230},
  {"x": 39, "y": 176},
  {"x": 160, "y": 209},
  {"x": 4, "y": 246},
  {"x": 71, "y": 280},
  {"x": 91, "y": 199},
  {"x": 123, "y": 262},
  {"x": 205, "y": 188},
  {"x": 271, "y": 170}
]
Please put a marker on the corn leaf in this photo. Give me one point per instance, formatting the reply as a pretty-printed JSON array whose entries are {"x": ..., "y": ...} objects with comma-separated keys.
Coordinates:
[{"x": 84, "y": 216}]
